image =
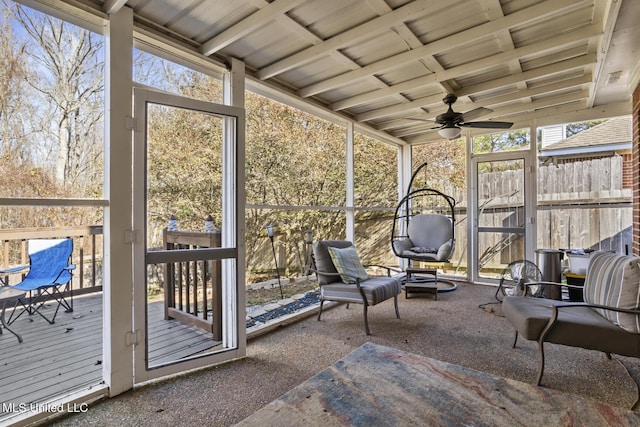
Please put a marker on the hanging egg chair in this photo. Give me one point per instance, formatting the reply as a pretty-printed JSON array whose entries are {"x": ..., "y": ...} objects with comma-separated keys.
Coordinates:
[{"x": 424, "y": 231}]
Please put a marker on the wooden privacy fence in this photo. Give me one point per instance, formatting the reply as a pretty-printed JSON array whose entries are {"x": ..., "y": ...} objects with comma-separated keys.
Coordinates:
[
  {"x": 193, "y": 289},
  {"x": 580, "y": 205},
  {"x": 584, "y": 205},
  {"x": 598, "y": 180},
  {"x": 590, "y": 179}
]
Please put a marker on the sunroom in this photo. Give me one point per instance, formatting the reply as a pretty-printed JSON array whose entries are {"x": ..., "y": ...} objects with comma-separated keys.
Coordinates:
[{"x": 307, "y": 115}]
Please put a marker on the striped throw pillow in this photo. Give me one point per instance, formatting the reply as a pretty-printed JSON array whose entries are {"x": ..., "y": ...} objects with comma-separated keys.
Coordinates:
[
  {"x": 614, "y": 280},
  {"x": 346, "y": 260}
]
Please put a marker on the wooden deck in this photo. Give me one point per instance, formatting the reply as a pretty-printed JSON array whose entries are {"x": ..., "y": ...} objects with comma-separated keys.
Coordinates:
[{"x": 67, "y": 356}]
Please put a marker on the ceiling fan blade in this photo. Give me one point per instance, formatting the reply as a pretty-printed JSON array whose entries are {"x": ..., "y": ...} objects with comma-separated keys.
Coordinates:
[
  {"x": 487, "y": 125},
  {"x": 475, "y": 113}
]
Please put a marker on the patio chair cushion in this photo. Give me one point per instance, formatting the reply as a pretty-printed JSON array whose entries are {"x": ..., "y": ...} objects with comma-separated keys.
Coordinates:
[
  {"x": 614, "y": 280},
  {"x": 444, "y": 251},
  {"x": 323, "y": 261},
  {"x": 610, "y": 279},
  {"x": 429, "y": 230},
  {"x": 376, "y": 289},
  {"x": 368, "y": 291},
  {"x": 348, "y": 264},
  {"x": 429, "y": 238}
]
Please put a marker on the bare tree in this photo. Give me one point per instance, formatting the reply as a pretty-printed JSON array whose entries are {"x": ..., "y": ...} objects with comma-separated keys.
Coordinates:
[
  {"x": 12, "y": 91},
  {"x": 66, "y": 70}
]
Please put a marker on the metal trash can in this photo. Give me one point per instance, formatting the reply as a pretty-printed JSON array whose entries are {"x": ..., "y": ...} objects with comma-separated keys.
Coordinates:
[{"x": 550, "y": 264}]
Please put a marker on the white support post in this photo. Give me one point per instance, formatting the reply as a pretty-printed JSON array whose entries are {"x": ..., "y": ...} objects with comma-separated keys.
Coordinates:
[
  {"x": 405, "y": 160},
  {"x": 531, "y": 202},
  {"x": 117, "y": 364},
  {"x": 404, "y": 170},
  {"x": 350, "y": 198},
  {"x": 234, "y": 87},
  {"x": 234, "y": 201},
  {"x": 472, "y": 212}
]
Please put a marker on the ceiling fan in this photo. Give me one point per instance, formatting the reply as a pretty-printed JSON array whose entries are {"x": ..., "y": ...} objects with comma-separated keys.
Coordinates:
[{"x": 451, "y": 121}]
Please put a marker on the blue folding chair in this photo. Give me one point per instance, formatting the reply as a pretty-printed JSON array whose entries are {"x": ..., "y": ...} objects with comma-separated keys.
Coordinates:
[{"x": 48, "y": 277}]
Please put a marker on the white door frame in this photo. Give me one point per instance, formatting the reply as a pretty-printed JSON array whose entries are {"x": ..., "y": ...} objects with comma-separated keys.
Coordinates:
[
  {"x": 472, "y": 212},
  {"x": 234, "y": 332}
]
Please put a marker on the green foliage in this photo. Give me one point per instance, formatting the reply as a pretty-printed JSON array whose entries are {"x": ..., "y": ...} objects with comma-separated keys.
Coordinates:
[
  {"x": 497, "y": 142},
  {"x": 292, "y": 158},
  {"x": 375, "y": 173},
  {"x": 574, "y": 128},
  {"x": 446, "y": 166},
  {"x": 184, "y": 167}
]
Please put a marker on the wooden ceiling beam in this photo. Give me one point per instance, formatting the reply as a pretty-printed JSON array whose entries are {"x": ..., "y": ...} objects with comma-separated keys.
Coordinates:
[
  {"x": 250, "y": 23},
  {"x": 349, "y": 37},
  {"x": 533, "y": 13},
  {"x": 547, "y": 70},
  {"x": 567, "y": 65},
  {"x": 113, "y": 6},
  {"x": 430, "y": 100}
]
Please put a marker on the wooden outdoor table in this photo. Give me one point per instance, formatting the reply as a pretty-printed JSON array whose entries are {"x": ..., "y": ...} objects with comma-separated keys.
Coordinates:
[
  {"x": 429, "y": 287},
  {"x": 8, "y": 295},
  {"x": 382, "y": 386}
]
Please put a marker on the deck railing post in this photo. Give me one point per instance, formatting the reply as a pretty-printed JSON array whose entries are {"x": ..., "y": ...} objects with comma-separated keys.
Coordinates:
[{"x": 187, "y": 287}]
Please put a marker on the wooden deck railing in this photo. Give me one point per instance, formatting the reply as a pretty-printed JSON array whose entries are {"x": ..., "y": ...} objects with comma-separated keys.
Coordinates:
[
  {"x": 87, "y": 253},
  {"x": 193, "y": 290}
]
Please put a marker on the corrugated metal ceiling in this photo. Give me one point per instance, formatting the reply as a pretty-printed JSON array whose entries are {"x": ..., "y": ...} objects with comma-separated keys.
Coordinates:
[{"x": 385, "y": 63}]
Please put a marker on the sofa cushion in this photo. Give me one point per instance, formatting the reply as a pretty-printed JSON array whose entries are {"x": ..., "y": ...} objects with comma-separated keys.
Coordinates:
[
  {"x": 348, "y": 264},
  {"x": 576, "y": 326},
  {"x": 614, "y": 280}
]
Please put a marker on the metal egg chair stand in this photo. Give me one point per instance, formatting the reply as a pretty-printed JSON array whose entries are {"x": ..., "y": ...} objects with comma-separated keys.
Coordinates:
[{"x": 424, "y": 232}]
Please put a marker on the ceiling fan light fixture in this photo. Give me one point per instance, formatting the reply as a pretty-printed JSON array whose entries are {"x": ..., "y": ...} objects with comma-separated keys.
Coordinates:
[{"x": 450, "y": 132}]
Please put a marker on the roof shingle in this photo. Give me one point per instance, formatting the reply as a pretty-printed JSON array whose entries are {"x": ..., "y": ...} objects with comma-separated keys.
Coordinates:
[{"x": 613, "y": 131}]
